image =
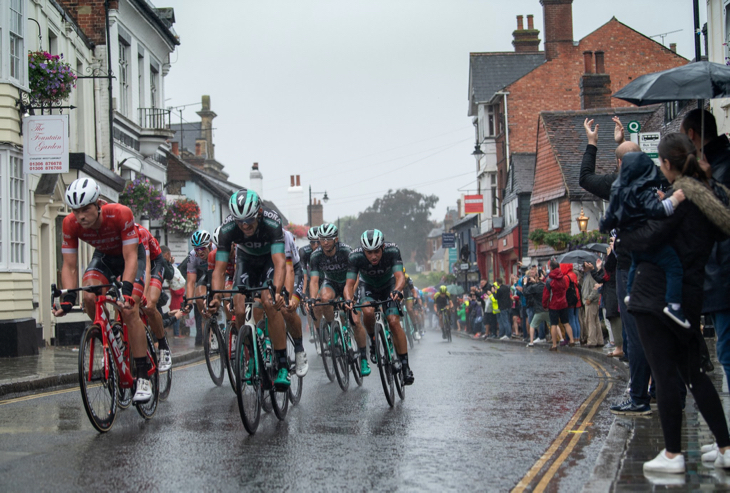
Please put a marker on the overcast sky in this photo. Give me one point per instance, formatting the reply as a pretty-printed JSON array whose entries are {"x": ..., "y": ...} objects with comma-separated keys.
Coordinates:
[{"x": 360, "y": 96}]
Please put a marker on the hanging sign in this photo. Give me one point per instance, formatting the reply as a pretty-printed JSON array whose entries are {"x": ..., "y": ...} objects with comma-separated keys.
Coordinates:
[
  {"x": 45, "y": 144},
  {"x": 473, "y": 204}
]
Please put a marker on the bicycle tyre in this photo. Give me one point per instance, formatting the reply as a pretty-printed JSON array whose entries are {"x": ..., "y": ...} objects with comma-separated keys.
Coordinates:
[
  {"x": 385, "y": 366},
  {"x": 165, "y": 381},
  {"x": 149, "y": 408},
  {"x": 448, "y": 331},
  {"x": 275, "y": 400},
  {"x": 295, "y": 389},
  {"x": 339, "y": 355},
  {"x": 248, "y": 394},
  {"x": 400, "y": 385},
  {"x": 353, "y": 358},
  {"x": 124, "y": 396},
  {"x": 408, "y": 328},
  {"x": 214, "y": 358},
  {"x": 324, "y": 343},
  {"x": 231, "y": 345},
  {"x": 98, "y": 391}
]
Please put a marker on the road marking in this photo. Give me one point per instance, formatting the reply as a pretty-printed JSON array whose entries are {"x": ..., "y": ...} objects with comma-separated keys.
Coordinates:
[
  {"x": 75, "y": 388},
  {"x": 565, "y": 433}
]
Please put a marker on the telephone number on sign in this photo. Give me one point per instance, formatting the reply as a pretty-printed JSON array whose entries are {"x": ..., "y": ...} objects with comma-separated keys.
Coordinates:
[{"x": 49, "y": 166}]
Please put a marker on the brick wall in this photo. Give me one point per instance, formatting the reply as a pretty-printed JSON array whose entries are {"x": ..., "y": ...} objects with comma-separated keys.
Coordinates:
[
  {"x": 89, "y": 15},
  {"x": 549, "y": 181}
]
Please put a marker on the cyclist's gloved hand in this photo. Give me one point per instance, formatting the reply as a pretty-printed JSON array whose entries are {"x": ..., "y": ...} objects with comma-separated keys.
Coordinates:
[
  {"x": 128, "y": 300},
  {"x": 66, "y": 306},
  {"x": 396, "y": 295},
  {"x": 348, "y": 304}
]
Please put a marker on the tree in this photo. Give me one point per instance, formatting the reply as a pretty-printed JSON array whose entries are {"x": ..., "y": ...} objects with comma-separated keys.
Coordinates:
[{"x": 402, "y": 216}]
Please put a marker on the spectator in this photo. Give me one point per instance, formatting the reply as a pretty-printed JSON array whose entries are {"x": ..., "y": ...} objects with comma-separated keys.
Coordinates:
[
  {"x": 692, "y": 231},
  {"x": 533, "y": 290},
  {"x": 503, "y": 296},
  {"x": 573, "y": 300},
  {"x": 476, "y": 316},
  {"x": 600, "y": 185},
  {"x": 491, "y": 309},
  {"x": 591, "y": 299},
  {"x": 461, "y": 315},
  {"x": 716, "y": 304},
  {"x": 553, "y": 300},
  {"x": 604, "y": 273}
]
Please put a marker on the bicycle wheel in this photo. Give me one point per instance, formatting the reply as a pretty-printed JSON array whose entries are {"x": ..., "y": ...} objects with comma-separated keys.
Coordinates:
[
  {"x": 231, "y": 345},
  {"x": 148, "y": 409},
  {"x": 124, "y": 396},
  {"x": 213, "y": 348},
  {"x": 324, "y": 343},
  {"x": 408, "y": 329},
  {"x": 384, "y": 365},
  {"x": 295, "y": 389},
  {"x": 98, "y": 387},
  {"x": 353, "y": 358},
  {"x": 248, "y": 393},
  {"x": 400, "y": 384},
  {"x": 165, "y": 378},
  {"x": 339, "y": 355},
  {"x": 448, "y": 330}
]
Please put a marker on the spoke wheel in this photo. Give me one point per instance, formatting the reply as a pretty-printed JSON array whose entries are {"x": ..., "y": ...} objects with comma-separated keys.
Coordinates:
[
  {"x": 98, "y": 386},
  {"x": 339, "y": 355},
  {"x": 400, "y": 385},
  {"x": 448, "y": 331},
  {"x": 124, "y": 396},
  {"x": 353, "y": 358},
  {"x": 231, "y": 344},
  {"x": 214, "y": 352},
  {"x": 248, "y": 394},
  {"x": 385, "y": 366},
  {"x": 408, "y": 328},
  {"x": 278, "y": 401},
  {"x": 165, "y": 379},
  {"x": 295, "y": 389},
  {"x": 324, "y": 342},
  {"x": 148, "y": 409}
]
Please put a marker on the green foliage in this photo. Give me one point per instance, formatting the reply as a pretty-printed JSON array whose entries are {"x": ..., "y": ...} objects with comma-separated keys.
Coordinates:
[
  {"x": 560, "y": 241},
  {"x": 143, "y": 198}
]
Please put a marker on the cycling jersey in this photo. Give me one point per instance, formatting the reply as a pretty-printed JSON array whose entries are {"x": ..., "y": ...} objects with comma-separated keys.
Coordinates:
[
  {"x": 408, "y": 290},
  {"x": 290, "y": 248},
  {"x": 332, "y": 268},
  {"x": 265, "y": 241},
  {"x": 376, "y": 276},
  {"x": 117, "y": 229},
  {"x": 441, "y": 300},
  {"x": 230, "y": 268},
  {"x": 197, "y": 265},
  {"x": 305, "y": 253},
  {"x": 151, "y": 246}
]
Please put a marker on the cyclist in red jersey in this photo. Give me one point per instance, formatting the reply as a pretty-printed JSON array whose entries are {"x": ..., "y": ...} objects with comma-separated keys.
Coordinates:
[
  {"x": 154, "y": 272},
  {"x": 109, "y": 228}
]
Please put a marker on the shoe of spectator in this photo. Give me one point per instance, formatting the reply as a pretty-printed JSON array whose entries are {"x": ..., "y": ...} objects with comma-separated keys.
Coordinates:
[
  {"x": 530, "y": 344},
  {"x": 538, "y": 340},
  {"x": 629, "y": 408},
  {"x": 563, "y": 343},
  {"x": 677, "y": 316},
  {"x": 711, "y": 454},
  {"x": 707, "y": 448},
  {"x": 503, "y": 338},
  {"x": 626, "y": 299},
  {"x": 553, "y": 348},
  {"x": 624, "y": 359},
  {"x": 609, "y": 344},
  {"x": 723, "y": 460},
  {"x": 662, "y": 463},
  {"x": 477, "y": 335}
]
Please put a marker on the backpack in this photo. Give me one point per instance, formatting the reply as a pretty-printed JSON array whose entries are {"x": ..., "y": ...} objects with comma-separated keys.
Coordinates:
[{"x": 571, "y": 295}]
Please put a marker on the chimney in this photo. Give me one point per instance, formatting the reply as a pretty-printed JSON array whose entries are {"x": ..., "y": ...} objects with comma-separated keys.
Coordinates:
[
  {"x": 316, "y": 213},
  {"x": 295, "y": 202},
  {"x": 588, "y": 62},
  {"x": 176, "y": 148},
  {"x": 201, "y": 147},
  {"x": 197, "y": 148},
  {"x": 525, "y": 40},
  {"x": 299, "y": 183},
  {"x": 558, "y": 18},
  {"x": 292, "y": 180},
  {"x": 530, "y": 22},
  {"x": 673, "y": 47},
  {"x": 256, "y": 180},
  {"x": 206, "y": 126},
  {"x": 595, "y": 89}
]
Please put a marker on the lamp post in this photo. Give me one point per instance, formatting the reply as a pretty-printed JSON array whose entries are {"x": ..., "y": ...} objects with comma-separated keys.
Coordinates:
[
  {"x": 582, "y": 221},
  {"x": 325, "y": 198}
]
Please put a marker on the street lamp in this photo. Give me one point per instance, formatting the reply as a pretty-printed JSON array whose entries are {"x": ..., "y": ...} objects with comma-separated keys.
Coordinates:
[
  {"x": 582, "y": 221},
  {"x": 325, "y": 198}
]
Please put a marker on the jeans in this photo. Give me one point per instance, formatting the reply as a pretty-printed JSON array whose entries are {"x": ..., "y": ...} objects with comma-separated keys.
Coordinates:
[
  {"x": 668, "y": 260},
  {"x": 529, "y": 313},
  {"x": 504, "y": 327},
  {"x": 638, "y": 366},
  {"x": 176, "y": 327},
  {"x": 721, "y": 321},
  {"x": 525, "y": 321},
  {"x": 574, "y": 321}
]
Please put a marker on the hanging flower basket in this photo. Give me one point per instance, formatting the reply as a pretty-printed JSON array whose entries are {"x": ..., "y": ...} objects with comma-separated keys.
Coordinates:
[
  {"x": 297, "y": 230},
  {"x": 182, "y": 216},
  {"x": 49, "y": 77},
  {"x": 143, "y": 198}
]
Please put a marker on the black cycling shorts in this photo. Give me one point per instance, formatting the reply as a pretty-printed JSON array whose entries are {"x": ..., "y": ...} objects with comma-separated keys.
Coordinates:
[
  {"x": 157, "y": 272},
  {"x": 370, "y": 293},
  {"x": 103, "y": 267},
  {"x": 252, "y": 271},
  {"x": 337, "y": 287}
]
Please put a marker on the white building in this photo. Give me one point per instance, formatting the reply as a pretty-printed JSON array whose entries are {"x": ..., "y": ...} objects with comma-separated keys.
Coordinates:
[{"x": 718, "y": 51}]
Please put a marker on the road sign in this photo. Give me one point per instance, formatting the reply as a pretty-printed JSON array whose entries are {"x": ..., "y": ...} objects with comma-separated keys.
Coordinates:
[
  {"x": 464, "y": 266},
  {"x": 649, "y": 143},
  {"x": 448, "y": 240},
  {"x": 634, "y": 127}
]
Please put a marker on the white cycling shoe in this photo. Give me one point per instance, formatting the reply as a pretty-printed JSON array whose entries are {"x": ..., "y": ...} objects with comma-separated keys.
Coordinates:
[
  {"x": 165, "y": 362},
  {"x": 302, "y": 366},
  {"x": 143, "y": 392}
]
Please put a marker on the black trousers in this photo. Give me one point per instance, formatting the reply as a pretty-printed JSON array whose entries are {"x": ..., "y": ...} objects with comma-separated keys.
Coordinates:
[{"x": 664, "y": 352}]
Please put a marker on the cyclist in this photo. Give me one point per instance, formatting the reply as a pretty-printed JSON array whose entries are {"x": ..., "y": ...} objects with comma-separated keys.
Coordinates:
[
  {"x": 294, "y": 282},
  {"x": 380, "y": 268},
  {"x": 230, "y": 268},
  {"x": 109, "y": 228},
  {"x": 154, "y": 273},
  {"x": 331, "y": 262},
  {"x": 411, "y": 294},
  {"x": 260, "y": 256},
  {"x": 197, "y": 275},
  {"x": 305, "y": 253},
  {"x": 441, "y": 301}
]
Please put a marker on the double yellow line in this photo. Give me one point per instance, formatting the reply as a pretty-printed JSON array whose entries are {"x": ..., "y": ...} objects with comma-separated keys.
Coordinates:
[{"x": 573, "y": 428}]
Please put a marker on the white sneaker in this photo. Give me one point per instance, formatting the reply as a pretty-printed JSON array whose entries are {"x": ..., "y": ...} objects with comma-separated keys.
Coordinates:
[
  {"x": 707, "y": 448},
  {"x": 626, "y": 299},
  {"x": 538, "y": 340},
  {"x": 530, "y": 344},
  {"x": 165, "y": 362},
  {"x": 503, "y": 338},
  {"x": 144, "y": 391},
  {"x": 662, "y": 463},
  {"x": 417, "y": 336},
  {"x": 302, "y": 365},
  {"x": 710, "y": 455},
  {"x": 722, "y": 461}
]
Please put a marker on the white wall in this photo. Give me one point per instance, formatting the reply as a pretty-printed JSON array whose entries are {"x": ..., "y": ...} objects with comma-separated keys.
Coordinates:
[{"x": 718, "y": 32}]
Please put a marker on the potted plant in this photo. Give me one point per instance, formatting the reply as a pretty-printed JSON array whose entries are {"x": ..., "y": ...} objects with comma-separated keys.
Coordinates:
[
  {"x": 297, "y": 230},
  {"x": 143, "y": 198},
  {"x": 49, "y": 77},
  {"x": 182, "y": 216}
]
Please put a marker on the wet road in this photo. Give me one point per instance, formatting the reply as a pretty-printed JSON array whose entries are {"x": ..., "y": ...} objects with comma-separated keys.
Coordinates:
[{"x": 478, "y": 418}]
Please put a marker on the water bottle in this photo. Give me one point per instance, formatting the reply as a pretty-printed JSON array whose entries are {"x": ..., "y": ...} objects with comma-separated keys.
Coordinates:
[
  {"x": 269, "y": 352},
  {"x": 117, "y": 330},
  {"x": 222, "y": 321}
]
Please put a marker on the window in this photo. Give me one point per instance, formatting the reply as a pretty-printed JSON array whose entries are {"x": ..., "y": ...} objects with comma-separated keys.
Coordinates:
[
  {"x": 490, "y": 121},
  {"x": 52, "y": 43},
  {"x": 553, "y": 219},
  {"x": 123, "y": 107},
  {"x": 154, "y": 82},
  {"x": 140, "y": 84},
  {"x": 16, "y": 39},
  {"x": 495, "y": 207},
  {"x": 14, "y": 231}
]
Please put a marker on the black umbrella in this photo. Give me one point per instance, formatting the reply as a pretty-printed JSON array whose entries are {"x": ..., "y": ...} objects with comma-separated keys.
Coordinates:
[
  {"x": 577, "y": 257},
  {"x": 597, "y": 247},
  {"x": 698, "y": 80}
]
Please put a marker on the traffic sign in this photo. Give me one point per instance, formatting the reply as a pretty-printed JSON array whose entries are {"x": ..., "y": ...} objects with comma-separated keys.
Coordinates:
[
  {"x": 649, "y": 143},
  {"x": 634, "y": 127},
  {"x": 464, "y": 266}
]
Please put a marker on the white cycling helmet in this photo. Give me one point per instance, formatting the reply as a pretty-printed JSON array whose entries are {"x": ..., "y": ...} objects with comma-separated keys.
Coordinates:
[
  {"x": 201, "y": 238},
  {"x": 313, "y": 233},
  {"x": 215, "y": 235},
  {"x": 81, "y": 193},
  {"x": 327, "y": 230},
  {"x": 372, "y": 239}
]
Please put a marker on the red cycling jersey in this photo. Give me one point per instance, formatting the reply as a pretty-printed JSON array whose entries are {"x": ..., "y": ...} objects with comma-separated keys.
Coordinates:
[
  {"x": 151, "y": 246},
  {"x": 117, "y": 229},
  {"x": 230, "y": 268}
]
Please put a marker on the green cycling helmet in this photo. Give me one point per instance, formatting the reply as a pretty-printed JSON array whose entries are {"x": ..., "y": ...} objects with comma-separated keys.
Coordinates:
[
  {"x": 372, "y": 239},
  {"x": 244, "y": 204}
]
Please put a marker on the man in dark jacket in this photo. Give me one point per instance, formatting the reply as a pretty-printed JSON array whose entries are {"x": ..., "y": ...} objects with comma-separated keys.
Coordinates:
[
  {"x": 600, "y": 186},
  {"x": 716, "y": 302},
  {"x": 504, "y": 302},
  {"x": 533, "y": 290}
]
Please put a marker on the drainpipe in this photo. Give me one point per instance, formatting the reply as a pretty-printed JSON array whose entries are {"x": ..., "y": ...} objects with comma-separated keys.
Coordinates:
[{"x": 109, "y": 73}]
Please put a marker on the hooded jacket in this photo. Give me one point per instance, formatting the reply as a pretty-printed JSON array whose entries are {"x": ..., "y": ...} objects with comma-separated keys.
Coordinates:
[
  {"x": 553, "y": 296},
  {"x": 570, "y": 275},
  {"x": 607, "y": 276}
]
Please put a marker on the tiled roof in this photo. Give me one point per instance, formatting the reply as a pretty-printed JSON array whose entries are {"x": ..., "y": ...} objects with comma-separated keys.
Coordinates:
[
  {"x": 435, "y": 232},
  {"x": 469, "y": 218},
  {"x": 490, "y": 72},
  {"x": 438, "y": 255},
  {"x": 567, "y": 138},
  {"x": 190, "y": 132},
  {"x": 522, "y": 172}
]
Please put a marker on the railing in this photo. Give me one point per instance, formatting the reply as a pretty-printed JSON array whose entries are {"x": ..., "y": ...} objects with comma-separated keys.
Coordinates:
[{"x": 154, "y": 118}]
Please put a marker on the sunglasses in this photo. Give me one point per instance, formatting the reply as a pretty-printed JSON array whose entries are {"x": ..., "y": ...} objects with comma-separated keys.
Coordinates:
[
  {"x": 200, "y": 249},
  {"x": 247, "y": 222}
]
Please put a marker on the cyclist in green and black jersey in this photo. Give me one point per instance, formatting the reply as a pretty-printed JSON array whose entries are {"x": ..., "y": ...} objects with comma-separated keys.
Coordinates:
[
  {"x": 305, "y": 254},
  {"x": 259, "y": 239},
  {"x": 380, "y": 268}
]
